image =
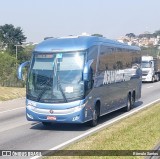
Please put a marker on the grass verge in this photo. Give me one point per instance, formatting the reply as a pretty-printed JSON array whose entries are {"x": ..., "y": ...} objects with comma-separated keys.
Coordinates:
[
  {"x": 138, "y": 132},
  {"x": 8, "y": 93}
]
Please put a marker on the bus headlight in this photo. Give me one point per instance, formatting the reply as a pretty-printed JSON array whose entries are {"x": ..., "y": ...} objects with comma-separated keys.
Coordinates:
[
  {"x": 78, "y": 108},
  {"x": 31, "y": 103},
  {"x": 31, "y": 107}
]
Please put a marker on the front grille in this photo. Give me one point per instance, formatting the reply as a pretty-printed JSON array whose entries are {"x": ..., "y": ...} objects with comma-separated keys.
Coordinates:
[{"x": 145, "y": 73}]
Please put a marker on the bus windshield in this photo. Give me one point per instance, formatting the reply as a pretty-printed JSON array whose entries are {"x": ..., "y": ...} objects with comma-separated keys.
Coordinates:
[{"x": 56, "y": 77}]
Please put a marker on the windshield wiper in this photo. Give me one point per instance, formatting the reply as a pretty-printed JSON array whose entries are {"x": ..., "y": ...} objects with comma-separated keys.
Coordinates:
[
  {"x": 43, "y": 90},
  {"x": 61, "y": 90}
]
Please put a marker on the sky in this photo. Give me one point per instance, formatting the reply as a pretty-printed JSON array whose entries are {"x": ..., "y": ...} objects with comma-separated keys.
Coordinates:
[{"x": 56, "y": 18}]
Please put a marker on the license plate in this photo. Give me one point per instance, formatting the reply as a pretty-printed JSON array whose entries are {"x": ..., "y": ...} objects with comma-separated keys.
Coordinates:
[{"x": 51, "y": 118}]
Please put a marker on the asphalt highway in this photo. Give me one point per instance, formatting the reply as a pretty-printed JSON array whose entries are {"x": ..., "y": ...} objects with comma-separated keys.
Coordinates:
[{"x": 16, "y": 133}]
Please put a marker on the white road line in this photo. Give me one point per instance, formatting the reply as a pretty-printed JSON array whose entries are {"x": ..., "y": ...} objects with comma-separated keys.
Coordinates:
[
  {"x": 150, "y": 87},
  {"x": 100, "y": 127},
  {"x": 11, "y": 110},
  {"x": 13, "y": 126}
]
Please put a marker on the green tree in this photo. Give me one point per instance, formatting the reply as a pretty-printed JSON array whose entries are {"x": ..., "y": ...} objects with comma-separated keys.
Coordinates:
[
  {"x": 151, "y": 51},
  {"x": 25, "y": 54},
  {"x": 1, "y": 47},
  {"x": 11, "y": 36},
  {"x": 99, "y": 35},
  {"x": 130, "y": 35},
  {"x": 146, "y": 35},
  {"x": 156, "y": 33},
  {"x": 8, "y": 67}
]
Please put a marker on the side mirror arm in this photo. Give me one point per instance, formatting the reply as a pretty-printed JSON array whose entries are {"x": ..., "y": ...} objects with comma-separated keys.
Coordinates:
[{"x": 19, "y": 72}]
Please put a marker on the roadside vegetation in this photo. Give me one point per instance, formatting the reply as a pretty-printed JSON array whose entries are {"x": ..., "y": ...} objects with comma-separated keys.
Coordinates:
[
  {"x": 138, "y": 132},
  {"x": 8, "y": 93},
  {"x": 12, "y": 53}
]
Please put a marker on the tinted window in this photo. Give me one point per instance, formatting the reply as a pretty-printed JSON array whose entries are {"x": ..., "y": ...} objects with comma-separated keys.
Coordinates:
[
  {"x": 106, "y": 58},
  {"x": 123, "y": 58},
  {"x": 92, "y": 55}
]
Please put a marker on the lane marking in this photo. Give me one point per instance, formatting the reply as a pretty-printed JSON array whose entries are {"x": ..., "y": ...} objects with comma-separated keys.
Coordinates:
[
  {"x": 13, "y": 126},
  {"x": 11, "y": 110},
  {"x": 150, "y": 87},
  {"x": 25, "y": 122},
  {"x": 93, "y": 130}
]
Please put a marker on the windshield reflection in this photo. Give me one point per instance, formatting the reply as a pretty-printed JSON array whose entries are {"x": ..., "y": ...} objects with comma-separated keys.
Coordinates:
[
  {"x": 56, "y": 77},
  {"x": 146, "y": 64}
]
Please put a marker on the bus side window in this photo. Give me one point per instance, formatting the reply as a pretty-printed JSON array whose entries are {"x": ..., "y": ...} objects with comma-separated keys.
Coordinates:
[
  {"x": 123, "y": 58},
  {"x": 92, "y": 55},
  {"x": 106, "y": 59},
  {"x": 89, "y": 84},
  {"x": 136, "y": 58}
]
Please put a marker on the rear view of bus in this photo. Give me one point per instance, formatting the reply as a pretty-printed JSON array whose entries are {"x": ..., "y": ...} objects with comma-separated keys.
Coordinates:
[{"x": 60, "y": 83}]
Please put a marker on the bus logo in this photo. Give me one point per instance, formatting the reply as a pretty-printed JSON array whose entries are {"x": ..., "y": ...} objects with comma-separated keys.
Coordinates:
[{"x": 51, "y": 111}]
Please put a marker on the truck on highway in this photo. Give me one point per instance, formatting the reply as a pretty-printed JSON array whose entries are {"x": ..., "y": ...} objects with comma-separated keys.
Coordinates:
[
  {"x": 150, "y": 69},
  {"x": 77, "y": 79}
]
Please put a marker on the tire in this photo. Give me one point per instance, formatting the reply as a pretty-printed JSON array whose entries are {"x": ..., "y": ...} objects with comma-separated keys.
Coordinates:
[
  {"x": 153, "y": 79},
  {"x": 94, "y": 120},
  {"x": 129, "y": 104},
  {"x": 46, "y": 123},
  {"x": 133, "y": 99},
  {"x": 157, "y": 77}
]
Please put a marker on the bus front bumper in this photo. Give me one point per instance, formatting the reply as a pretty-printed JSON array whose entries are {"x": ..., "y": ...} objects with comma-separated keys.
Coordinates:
[
  {"x": 147, "y": 78},
  {"x": 73, "y": 115}
]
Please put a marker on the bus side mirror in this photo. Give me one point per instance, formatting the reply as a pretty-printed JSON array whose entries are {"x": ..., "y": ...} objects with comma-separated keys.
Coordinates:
[
  {"x": 86, "y": 71},
  {"x": 19, "y": 72},
  {"x": 152, "y": 63}
]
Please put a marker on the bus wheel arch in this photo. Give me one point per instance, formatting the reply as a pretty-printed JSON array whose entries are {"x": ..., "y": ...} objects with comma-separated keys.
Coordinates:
[
  {"x": 153, "y": 79},
  {"x": 133, "y": 99},
  {"x": 95, "y": 114},
  {"x": 97, "y": 107},
  {"x": 46, "y": 124},
  {"x": 128, "y": 103}
]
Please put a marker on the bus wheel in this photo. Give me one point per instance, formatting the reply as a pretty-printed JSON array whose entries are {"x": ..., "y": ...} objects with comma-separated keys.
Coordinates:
[
  {"x": 153, "y": 79},
  {"x": 157, "y": 78},
  {"x": 129, "y": 104},
  {"x": 94, "y": 120},
  {"x": 133, "y": 99},
  {"x": 46, "y": 123}
]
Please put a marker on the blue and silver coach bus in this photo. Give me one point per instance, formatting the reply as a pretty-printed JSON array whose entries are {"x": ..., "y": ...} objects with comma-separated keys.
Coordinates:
[{"x": 78, "y": 79}]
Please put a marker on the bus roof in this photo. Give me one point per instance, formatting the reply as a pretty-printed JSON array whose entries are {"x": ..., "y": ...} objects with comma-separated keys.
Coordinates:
[{"x": 77, "y": 43}]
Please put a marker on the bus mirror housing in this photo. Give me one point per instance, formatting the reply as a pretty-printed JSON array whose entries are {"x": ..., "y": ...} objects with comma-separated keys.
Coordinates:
[
  {"x": 20, "y": 68},
  {"x": 86, "y": 71},
  {"x": 151, "y": 63},
  {"x": 59, "y": 57}
]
